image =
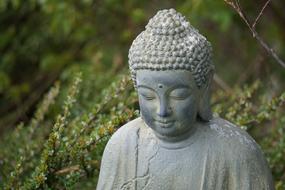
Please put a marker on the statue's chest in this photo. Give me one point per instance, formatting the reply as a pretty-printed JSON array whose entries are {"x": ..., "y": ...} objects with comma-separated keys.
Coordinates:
[{"x": 165, "y": 169}]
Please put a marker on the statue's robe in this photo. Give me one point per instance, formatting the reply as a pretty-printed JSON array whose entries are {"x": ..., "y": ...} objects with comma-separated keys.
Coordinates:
[{"x": 218, "y": 156}]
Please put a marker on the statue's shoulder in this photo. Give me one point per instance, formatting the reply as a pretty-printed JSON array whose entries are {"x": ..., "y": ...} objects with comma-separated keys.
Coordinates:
[
  {"x": 127, "y": 132},
  {"x": 237, "y": 151},
  {"x": 232, "y": 137}
]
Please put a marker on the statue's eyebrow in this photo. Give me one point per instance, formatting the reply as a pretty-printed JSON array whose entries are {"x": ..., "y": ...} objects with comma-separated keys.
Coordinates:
[
  {"x": 181, "y": 86},
  {"x": 147, "y": 87}
]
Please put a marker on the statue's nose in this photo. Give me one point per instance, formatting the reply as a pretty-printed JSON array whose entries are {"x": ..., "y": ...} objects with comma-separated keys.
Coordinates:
[{"x": 163, "y": 108}]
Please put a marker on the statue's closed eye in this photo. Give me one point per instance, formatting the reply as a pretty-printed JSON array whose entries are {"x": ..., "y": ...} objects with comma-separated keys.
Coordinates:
[
  {"x": 148, "y": 96},
  {"x": 179, "y": 94},
  {"x": 147, "y": 93}
]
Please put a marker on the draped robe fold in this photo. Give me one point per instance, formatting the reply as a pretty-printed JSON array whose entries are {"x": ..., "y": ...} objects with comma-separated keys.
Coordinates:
[{"x": 220, "y": 156}]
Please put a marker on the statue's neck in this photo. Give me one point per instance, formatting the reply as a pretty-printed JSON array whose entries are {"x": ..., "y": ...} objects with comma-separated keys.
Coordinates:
[{"x": 181, "y": 141}]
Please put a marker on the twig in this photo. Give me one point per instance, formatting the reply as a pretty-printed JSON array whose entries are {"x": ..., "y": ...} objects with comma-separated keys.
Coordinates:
[
  {"x": 236, "y": 6},
  {"x": 68, "y": 170},
  {"x": 260, "y": 13}
]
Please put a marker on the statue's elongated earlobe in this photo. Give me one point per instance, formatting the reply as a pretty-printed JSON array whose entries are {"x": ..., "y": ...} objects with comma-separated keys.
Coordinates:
[{"x": 204, "y": 111}]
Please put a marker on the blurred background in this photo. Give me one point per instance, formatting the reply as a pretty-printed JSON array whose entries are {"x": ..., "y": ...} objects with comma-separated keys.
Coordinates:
[{"x": 47, "y": 41}]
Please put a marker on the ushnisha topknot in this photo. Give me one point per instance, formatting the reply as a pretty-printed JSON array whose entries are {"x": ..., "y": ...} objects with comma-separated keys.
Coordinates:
[{"x": 169, "y": 42}]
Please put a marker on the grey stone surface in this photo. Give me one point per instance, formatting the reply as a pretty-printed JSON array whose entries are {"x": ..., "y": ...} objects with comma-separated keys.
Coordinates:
[
  {"x": 176, "y": 144},
  {"x": 171, "y": 43}
]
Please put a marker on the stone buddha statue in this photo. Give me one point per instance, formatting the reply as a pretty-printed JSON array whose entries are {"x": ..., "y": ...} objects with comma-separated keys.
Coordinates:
[{"x": 176, "y": 143}]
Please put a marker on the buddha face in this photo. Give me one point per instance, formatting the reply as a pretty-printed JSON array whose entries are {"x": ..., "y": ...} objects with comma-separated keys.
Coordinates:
[{"x": 168, "y": 102}]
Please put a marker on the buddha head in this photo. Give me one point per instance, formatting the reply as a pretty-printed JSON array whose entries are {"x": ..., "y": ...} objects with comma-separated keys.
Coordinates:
[{"x": 171, "y": 67}]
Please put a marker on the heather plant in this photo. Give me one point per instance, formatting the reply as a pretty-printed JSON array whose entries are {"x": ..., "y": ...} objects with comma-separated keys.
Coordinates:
[
  {"x": 68, "y": 149},
  {"x": 19, "y": 141},
  {"x": 35, "y": 122}
]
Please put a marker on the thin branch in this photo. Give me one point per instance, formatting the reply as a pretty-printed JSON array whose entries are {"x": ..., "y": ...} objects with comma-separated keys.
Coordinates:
[
  {"x": 68, "y": 170},
  {"x": 236, "y": 6},
  {"x": 260, "y": 13},
  {"x": 270, "y": 50}
]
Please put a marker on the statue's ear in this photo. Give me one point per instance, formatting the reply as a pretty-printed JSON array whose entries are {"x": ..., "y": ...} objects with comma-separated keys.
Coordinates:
[{"x": 205, "y": 111}]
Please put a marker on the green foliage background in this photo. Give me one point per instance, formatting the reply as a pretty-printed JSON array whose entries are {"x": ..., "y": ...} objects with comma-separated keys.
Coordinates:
[{"x": 65, "y": 89}]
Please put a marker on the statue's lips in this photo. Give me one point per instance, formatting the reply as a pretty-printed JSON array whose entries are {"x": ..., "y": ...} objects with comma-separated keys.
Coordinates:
[{"x": 164, "y": 123}]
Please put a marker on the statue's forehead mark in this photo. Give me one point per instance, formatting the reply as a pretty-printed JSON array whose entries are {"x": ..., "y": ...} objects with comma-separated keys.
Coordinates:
[{"x": 160, "y": 85}]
